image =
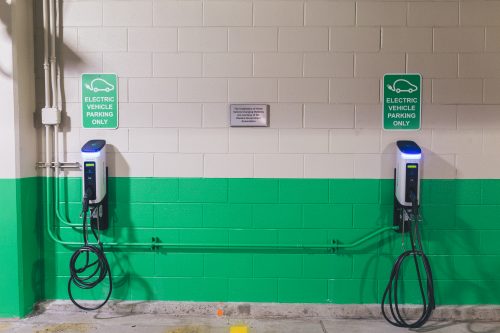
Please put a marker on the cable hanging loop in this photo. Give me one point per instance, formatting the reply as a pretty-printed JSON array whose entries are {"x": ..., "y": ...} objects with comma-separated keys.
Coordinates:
[
  {"x": 99, "y": 268},
  {"x": 396, "y": 317}
]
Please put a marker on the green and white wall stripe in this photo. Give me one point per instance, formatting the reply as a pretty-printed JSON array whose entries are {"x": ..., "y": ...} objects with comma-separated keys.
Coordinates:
[{"x": 321, "y": 171}]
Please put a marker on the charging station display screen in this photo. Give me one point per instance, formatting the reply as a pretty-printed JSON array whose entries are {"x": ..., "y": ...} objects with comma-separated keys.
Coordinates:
[
  {"x": 89, "y": 180},
  {"x": 411, "y": 180}
]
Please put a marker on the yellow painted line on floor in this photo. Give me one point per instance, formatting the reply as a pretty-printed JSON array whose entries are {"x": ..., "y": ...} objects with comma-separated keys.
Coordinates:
[
  {"x": 4, "y": 327},
  {"x": 189, "y": 329},
  {"x": 67, "y": 327},
  {"x": 238, "y": 329}
]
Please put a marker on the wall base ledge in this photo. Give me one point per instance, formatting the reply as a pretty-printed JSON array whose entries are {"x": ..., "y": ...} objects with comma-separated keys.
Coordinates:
[{"x": 273, "y": 310}]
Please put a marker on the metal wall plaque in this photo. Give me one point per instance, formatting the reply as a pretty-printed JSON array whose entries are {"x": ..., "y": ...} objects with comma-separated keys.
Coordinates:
[{"x": 249, "y": 115}]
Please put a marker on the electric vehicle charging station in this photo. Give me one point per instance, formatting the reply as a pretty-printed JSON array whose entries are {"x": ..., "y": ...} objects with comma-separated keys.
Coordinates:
[
  {"x": 95, "y": 200},
  {"x": 94, "y": 170},
  {"x": 95, "y": 178},
  {"x": 406, "y": 183},
  {"x": 406, "y": 220}
]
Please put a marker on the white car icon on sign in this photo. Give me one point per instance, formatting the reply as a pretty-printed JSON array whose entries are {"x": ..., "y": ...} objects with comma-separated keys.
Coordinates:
[
  {"x": 402, "y": 85},
  {"x": 99, "y": 85}
]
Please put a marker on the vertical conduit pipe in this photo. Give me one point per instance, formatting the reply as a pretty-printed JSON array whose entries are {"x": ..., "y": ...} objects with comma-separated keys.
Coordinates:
[
  {"x": 53, "y": 83},
  {"x": 46, "y": 69},
  {"x": 53, "y": 58},
  {"x": 46, "y": 66},
  {"x": 59, "y": 216}
]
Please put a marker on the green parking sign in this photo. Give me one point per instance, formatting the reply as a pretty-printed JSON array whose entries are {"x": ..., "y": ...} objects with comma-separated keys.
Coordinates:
[
  {"x": 99, "y": 101},
  {"x": 402, "y": 101}
]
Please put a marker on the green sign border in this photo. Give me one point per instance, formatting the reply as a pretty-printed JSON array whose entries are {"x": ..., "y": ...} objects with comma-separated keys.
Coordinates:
[
  {"x": 383, "y": 104},
  {"x": 117, "y": 101}
]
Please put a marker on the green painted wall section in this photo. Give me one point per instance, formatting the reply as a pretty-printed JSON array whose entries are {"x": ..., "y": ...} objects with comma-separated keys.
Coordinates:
[
  {"x": 20, "y": 246},
  {"x": 9, "y": 275},
  {"x": 30, "y": 210},
  {"x": 461, "y": 232}
]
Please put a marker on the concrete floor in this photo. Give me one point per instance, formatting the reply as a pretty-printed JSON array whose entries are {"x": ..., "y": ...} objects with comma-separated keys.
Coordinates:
[{"x": 78, "y": 322}]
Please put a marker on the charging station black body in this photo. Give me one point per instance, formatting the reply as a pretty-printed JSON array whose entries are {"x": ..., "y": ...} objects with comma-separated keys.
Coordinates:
[{"x": 101, "y": 214}]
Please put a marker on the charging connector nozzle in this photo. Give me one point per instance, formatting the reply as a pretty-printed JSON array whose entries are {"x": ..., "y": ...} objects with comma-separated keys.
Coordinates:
[{"x": 86, "y": 201}]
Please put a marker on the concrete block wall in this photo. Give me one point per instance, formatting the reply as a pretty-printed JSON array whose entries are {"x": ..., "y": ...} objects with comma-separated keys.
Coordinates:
[{"x": 317, "y": 63}]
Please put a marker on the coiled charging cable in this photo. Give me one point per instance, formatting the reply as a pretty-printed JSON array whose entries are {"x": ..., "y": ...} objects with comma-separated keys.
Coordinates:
[
  {"x": 99, "y": 268},
  {"x": 391, "y": 291}
]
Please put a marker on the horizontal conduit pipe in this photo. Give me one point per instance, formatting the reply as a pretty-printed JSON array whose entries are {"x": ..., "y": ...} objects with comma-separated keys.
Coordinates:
[
  {"x": 364, "y": 239},
  {"x": 186, "y": 246}
]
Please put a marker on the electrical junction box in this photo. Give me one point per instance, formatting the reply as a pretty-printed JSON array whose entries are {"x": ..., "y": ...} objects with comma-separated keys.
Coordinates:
[{"x": 51, "y": 116}]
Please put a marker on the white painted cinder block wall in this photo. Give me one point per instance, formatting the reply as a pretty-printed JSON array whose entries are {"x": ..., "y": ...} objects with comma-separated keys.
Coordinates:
[
  {"x": 17, "y": 90},
  {"x": 7, "y": 114},
  {"x": 318, "y": 64}
]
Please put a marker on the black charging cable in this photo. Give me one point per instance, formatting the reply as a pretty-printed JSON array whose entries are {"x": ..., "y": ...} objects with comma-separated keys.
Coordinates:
[
  {"x": 391, "y": 291},
  {"x": 99, "y": 268}
]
